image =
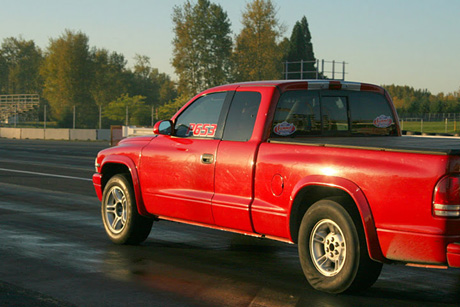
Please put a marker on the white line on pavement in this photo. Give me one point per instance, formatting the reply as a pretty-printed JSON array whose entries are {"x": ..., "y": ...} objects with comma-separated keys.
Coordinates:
[{"x": 44, "y": 174}]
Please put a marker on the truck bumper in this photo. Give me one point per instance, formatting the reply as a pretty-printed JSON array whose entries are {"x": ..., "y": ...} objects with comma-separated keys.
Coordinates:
[
  {"x": 97, "y": 179},
  {"x": 412, "y": 247},
  {"x": 453, "y": 254}
]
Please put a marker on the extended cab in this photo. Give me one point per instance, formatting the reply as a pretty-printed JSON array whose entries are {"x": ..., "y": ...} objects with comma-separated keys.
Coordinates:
[{"x": 318, "y": 163}]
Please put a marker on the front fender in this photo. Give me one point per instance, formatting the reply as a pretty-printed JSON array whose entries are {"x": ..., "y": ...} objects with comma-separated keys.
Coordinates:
[
  {"x": 358, "y": 197},
  {"x": 129, "y": 163}
]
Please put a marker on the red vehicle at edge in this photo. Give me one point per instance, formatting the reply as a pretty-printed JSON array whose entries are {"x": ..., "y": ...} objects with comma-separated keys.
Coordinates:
[{"x": 318, "y": 163}]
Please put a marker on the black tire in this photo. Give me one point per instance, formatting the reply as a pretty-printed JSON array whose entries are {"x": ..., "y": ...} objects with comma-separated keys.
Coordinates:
[
  {"x": 122, "y": 222},
  {"x": 333, "y": 251}
]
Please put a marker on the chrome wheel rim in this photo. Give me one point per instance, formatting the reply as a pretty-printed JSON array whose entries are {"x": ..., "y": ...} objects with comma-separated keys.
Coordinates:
[
  {"x": 328, "y": 247},
  {"x": 116, "y": 210}
]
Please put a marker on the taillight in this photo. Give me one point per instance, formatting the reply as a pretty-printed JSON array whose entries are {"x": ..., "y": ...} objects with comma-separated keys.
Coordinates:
[{"x": 446, "y": 199}]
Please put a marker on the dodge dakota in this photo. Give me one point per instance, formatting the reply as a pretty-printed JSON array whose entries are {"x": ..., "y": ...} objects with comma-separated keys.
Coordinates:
[{"x": 320, "y": 164}]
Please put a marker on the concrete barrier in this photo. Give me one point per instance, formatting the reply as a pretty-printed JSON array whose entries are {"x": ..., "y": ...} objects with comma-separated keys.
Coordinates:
[
  {"x": 83, "y": 134},
  {"x": 33, "y": 134},
  {"x": 57, "y": 134},
  {"x": 10, "y": 133}
]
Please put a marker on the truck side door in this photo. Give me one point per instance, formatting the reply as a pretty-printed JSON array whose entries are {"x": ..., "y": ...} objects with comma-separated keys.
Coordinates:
[
  {"x": 177, "y": 171},
  {"x": 235, "y": 165}
]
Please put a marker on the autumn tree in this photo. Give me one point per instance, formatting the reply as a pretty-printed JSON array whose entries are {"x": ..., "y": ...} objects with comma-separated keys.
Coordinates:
[
  {"x": 258, "y": 53},
  {"x": 301, "y": 49},
  {"x": 67, "y": 73},
  {"x": 20, "y": 62},
  {"x": 202, "y": 46}
]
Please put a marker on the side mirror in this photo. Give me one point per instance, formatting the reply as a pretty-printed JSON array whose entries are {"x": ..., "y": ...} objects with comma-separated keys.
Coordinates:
[{"x": 163, "y": 127}]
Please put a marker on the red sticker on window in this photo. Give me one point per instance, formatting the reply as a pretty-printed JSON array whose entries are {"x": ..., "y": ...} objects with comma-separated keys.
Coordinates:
[
  {"x": 284, "y": 129},
  {"x": 203, "y": 130},
  {"x": 383, "y": 121}
]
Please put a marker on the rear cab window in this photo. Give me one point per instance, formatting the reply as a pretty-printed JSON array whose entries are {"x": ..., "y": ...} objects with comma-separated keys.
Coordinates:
[
  {"x": 242, "y": 116},
  {"x": 302, "y": 113}
]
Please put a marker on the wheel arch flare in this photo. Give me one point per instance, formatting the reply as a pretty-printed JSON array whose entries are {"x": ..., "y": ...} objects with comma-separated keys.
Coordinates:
[
  {"x": 316, "y": 187},
  {"x": 116, "y": 164}
]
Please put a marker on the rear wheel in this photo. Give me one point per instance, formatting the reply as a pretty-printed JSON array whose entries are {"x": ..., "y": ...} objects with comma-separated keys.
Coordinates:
[
  {"x": 333, "y": 251},
  {"x": 122, "y": 223}
]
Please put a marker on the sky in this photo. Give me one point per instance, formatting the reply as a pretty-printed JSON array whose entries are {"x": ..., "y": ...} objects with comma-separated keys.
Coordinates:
[{"x": 401, "y": 42}]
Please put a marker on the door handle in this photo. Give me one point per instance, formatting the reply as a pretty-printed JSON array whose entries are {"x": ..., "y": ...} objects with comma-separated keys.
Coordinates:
[{"x": 207, "y": 158}]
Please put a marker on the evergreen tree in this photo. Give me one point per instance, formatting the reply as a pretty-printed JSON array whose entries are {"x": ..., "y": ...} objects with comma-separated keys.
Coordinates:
[
  {"x": 258, "y": 54},
  {"x": 301, "y": 49},
  {"x": 202, "y": 46}
]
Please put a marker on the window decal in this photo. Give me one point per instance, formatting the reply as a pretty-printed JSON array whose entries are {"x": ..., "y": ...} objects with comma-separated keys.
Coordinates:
[
  {"x": 383, "y": 121},
  {"x": 203, "y": 130},
  {"x": 284, "y": 129}
]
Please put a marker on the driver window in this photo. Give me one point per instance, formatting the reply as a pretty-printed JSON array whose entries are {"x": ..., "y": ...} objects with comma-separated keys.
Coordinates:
[{"x": 200, "y": 119}]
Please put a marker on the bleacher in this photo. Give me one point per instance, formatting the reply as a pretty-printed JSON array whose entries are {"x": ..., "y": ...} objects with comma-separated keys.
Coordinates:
[{"x": 16, "y": 105}]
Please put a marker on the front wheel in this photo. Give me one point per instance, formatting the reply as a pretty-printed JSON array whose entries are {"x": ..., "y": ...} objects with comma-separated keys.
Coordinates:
[
  {"x": 333, "y": 251},
  {"x": 122, "y": 223}
]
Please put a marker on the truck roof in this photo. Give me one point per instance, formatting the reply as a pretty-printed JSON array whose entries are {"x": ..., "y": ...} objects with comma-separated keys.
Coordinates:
[{"x": 285, "y": 85}]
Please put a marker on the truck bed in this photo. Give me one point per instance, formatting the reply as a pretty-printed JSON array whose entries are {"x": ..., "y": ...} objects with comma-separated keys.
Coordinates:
[{"x": 425, "y": 145}]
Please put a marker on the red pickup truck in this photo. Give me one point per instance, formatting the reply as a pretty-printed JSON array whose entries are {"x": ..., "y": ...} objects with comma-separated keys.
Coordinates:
[{"x": 321, "y": 164}]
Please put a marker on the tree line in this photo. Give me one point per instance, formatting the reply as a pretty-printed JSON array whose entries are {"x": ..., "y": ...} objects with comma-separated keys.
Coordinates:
[
  {"x": 410, "y": 100},
  {"x": 70, "y": 75}
]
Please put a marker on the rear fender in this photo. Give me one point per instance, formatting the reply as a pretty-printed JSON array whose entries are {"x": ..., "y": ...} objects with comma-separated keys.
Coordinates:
[
  {"x": 126, "y": 161},
  {"x": 359, "y": 199}
]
